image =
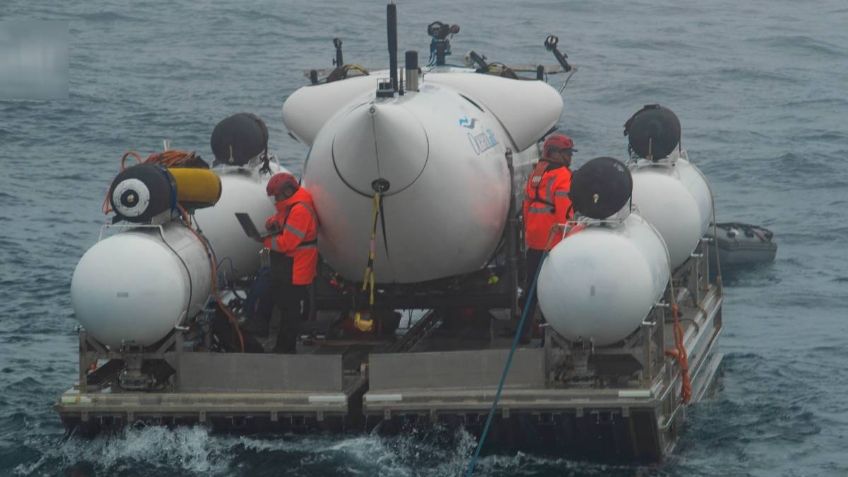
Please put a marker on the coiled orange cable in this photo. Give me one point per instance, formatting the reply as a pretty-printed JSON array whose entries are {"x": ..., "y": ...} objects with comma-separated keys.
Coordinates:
[{"x": 679, "y": 353}]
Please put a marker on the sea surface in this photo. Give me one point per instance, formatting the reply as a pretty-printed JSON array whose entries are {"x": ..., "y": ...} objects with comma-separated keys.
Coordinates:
[{"x": 761, "y": 88}]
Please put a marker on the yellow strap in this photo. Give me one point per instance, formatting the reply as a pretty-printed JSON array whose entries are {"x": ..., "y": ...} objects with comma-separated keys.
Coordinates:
[{"x": 368, "y": 278}]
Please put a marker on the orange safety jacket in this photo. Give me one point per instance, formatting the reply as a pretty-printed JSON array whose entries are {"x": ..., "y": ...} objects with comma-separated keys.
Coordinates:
[
  {"x": 546, "y": 203},
  {"x": 298, "y": 237}
]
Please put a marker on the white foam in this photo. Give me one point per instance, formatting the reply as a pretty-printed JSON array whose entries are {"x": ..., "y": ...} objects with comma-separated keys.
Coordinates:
[{"x": 189, "y": 449}]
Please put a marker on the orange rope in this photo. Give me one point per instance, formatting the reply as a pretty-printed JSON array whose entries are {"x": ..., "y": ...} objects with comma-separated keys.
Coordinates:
[
  {"x": 175, "y": 158},
  {"x": 679, "y": 353},
  {"x": 106, "y": 207},
  {"x": 574, "y": 229},
  {"x": 127, "y": 154}
]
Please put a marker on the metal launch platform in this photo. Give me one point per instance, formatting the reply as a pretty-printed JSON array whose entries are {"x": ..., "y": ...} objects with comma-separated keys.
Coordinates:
[{"x": 621, "y": 401}]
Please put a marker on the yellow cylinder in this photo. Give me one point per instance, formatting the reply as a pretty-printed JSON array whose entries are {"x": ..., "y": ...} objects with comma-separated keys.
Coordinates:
[{"x": 196, "y": 188}]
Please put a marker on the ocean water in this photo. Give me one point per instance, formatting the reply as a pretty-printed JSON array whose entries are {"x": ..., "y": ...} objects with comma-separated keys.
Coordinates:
[{"x": 761, "y": 88}]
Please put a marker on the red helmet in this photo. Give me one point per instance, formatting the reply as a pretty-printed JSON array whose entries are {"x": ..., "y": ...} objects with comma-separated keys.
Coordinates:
[
  {"x": 282, "y": 184},
  {"x": 558, "y": 141}
]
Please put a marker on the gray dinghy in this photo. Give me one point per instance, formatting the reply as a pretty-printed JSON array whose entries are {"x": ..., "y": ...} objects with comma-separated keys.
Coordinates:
[{"x": 740, "y": 244}]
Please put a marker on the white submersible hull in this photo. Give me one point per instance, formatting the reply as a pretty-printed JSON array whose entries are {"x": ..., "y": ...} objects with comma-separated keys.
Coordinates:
[{"x": 436, "y": 155}]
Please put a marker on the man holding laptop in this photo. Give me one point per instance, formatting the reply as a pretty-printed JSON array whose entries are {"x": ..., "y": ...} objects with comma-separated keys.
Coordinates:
[{"x": 294, "y": 253}]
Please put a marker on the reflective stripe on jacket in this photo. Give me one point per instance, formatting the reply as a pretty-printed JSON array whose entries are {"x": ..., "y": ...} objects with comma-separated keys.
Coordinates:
[
  {"x": 546, "y": 203},
  {"x": 298, "y": 238}
]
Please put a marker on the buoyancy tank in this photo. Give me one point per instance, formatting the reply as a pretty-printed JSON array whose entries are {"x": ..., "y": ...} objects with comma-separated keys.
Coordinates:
[
  {"x": 673, "y": 195},
  {"x": 668, "y": 190},
  {"x": 133, "y": 287},
  {"x": 601, "y": 281}
]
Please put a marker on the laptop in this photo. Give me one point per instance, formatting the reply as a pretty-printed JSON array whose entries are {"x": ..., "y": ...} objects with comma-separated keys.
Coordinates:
[{"x": 250, "y": 228}]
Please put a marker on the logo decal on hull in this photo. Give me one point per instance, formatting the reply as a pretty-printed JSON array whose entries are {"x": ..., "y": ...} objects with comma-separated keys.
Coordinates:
[
  {"x": 483, "y": 141},
  {"x": 467, "y": 122}
]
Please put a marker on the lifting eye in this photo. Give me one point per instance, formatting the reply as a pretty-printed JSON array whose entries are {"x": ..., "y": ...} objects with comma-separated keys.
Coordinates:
[{"x": 380, "y": 185}]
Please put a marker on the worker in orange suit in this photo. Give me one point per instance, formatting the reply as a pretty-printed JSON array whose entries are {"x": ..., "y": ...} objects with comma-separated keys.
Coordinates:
[
  {"x": 294, "y": 255},
  {"x": 546, "y": 204}
]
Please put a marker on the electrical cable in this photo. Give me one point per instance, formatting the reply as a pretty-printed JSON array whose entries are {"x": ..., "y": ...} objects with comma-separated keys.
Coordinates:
[
  {"x": 210, "y": 254},
  {"x": 567, "y": 78},
  {"x": 185, "y": 266},
  {"x": 515, "y": 342}
]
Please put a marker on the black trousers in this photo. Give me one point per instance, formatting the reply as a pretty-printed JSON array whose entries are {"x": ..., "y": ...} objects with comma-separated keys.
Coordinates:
[
  {"x": 533, "y": 259},
  {"x": 291, "y": 300}
]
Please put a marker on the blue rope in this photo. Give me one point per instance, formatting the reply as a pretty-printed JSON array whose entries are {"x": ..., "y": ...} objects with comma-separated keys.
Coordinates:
[{"x": 515, "y": 340}]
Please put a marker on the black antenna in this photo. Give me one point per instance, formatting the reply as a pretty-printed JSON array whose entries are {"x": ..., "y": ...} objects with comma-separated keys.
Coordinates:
[
  {"x": 551, "y": 45},
  {"x": 339, "y": 61},
  {"x": 391, "y": 24}
]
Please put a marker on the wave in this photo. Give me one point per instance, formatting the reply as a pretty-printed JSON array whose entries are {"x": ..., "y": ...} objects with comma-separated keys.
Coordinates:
[
  {"x": 824, "y": 136},
  {"x": 834, "y": 102},
  {"x": 105, "y": 17},
  {"x": 662, "y": 44},
  {"x": 805, "y": 163},
  {"x": 755, "y": 74},
  {"x": 194, "y": 451},
  {"x": 260, "y": 16},
  {"x": 8, "y": 199},
  {"x": 803, "y": 44}
]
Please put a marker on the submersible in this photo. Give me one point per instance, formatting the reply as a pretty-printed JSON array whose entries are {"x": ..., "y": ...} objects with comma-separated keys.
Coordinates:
[{"x": 419, "y": 179}]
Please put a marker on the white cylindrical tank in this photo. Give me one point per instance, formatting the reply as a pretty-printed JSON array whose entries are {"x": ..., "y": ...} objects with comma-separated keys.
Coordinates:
[
  {"x": 697, "y": 184},
  {"x": 674, "y": 196},
  {"x": 135, "y": 286},
  {"x": 242, "y": 190},
  {"x": 601, "y": 282}
]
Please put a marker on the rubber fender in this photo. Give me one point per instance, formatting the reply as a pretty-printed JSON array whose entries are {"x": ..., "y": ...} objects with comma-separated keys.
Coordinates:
[
  {"x": 238, "y": 139},
  {"x": 653, "y": 131},
  {"x": 601, "y": 187}
]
